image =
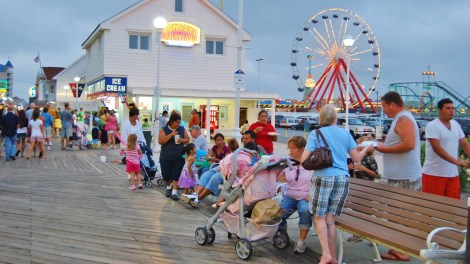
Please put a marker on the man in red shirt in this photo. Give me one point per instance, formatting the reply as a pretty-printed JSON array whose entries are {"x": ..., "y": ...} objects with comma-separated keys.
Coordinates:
[{"x": 194, "y": 121}]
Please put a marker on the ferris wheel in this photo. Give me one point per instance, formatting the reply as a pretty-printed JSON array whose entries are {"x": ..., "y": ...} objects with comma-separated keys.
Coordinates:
[{"x": 319, "y": 59}]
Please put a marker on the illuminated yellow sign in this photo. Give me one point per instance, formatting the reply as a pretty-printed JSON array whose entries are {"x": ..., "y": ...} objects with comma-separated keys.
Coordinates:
[{"x": 181, "y": 34}]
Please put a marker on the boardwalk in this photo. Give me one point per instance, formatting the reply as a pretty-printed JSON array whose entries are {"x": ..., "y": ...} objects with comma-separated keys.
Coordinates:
[{"x": 71, "y": 208}]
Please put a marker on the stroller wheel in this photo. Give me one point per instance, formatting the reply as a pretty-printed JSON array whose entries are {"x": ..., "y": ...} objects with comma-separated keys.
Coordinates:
[
  {"x": 201, "y": 236},
  {"x": 160, "y": 182},
  {"x": 244, "y": 249},
  {"x": 211, "y": 237},
  {"x": 148, "y": 183},
  {"x": 281, "y": 240}
]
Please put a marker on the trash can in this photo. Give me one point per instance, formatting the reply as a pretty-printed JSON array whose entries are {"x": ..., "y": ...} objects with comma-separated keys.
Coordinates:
[{"x": 148, "y": 137}]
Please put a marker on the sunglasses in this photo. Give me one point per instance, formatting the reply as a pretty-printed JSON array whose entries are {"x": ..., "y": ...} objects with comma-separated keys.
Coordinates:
[{"x": 297, "y": 174}]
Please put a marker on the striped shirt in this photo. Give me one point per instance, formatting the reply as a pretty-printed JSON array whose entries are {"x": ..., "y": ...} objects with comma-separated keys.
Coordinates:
[{"x": 132, "y": 155}]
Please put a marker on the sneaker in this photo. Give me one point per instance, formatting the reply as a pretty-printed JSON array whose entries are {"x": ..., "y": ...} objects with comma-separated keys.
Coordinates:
[
  {"x": 174, "y": 197},
  {"x": 68, "y": 148},
  {"x": 185, "y": 198},
  {"x": 140, "y": 186},
  {"x": 300, "y": 246},
  {"x": 131, "y": 187},
  {"x": 168, "y": 192},
  {"x": 48, "y": 148}
]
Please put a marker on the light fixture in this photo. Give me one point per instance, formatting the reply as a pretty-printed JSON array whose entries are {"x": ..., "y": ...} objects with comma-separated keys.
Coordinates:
[
  {"x": 348, "y": 41},
  {"x": 76, "y": 79},
  {"x": 159, "y": 22}
]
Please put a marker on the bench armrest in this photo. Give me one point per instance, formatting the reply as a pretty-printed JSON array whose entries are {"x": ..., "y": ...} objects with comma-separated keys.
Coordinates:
[{"x": 433, "y": 251}]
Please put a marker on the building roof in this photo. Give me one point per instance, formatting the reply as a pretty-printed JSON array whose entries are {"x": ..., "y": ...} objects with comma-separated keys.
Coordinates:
[
  {"x": 9, "y": 65},
  {"x": 50, "y": 72},
  {"x": 107, "y": 23}
]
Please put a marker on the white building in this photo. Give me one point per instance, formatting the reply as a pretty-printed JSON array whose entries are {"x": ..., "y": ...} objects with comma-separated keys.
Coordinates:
[{"x": 124, "y": 49}]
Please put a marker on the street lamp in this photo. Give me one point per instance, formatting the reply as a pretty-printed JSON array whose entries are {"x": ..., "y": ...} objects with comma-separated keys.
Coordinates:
[
  {"x": 76, "y": 79},
  {"x": 159, "y": 23},
  {"x": 348, "y": 42},
  {"x": 66, "y": 87},
  {"x": 259, "y": 72}
]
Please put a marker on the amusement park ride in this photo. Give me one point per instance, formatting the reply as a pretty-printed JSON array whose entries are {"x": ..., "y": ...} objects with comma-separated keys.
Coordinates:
[
  {"x": 319, "y": 49},
  {"x": 422, "y": 97}
]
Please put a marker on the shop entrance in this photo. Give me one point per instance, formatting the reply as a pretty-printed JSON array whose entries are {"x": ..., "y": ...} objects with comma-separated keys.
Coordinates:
[{"x": 243, "y": 115}]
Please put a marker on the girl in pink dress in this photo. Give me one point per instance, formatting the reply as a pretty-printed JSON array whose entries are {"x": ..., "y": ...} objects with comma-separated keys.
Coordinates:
[
  {"x": 133, "y": 155},
  {"x": 187, "y": 178},
  {"x": 111, "y": 127}
]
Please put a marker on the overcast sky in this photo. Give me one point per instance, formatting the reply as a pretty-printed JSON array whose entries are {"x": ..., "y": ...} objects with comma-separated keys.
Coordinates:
[{"x": 411, "y": 35}]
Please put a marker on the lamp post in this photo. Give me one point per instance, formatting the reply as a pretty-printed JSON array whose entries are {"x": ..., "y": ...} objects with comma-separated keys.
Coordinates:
[
  {"x": 236, "y": 132},
  {"x": 259, "y": 72},
  {"x": 66, "y": 87},
  {"x": 76, "y": 79},
  {"x": 348, "y": 42},
  {"x": 159, "y": 23}
]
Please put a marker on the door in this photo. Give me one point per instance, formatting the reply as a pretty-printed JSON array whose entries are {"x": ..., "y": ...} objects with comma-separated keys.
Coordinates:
[{"x": 243, "y": 115}]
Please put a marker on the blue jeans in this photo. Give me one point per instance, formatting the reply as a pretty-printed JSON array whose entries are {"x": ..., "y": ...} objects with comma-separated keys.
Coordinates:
[
  {"x": 10, "y": 147},
  {"x": 211, "y": 180},
  {"x": 290, "y": 205}
]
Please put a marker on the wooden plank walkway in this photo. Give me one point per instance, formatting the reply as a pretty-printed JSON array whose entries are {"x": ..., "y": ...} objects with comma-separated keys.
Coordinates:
[{"x": 71, "y": 208}]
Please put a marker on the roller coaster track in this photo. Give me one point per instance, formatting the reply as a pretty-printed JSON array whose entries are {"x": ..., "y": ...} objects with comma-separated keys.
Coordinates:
[
  {"x": 454, "y": 94},
  {"x": 462, "y": 101}
]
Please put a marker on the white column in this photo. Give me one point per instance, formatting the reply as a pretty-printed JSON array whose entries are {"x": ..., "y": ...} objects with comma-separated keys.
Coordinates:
[
  {"x": 273, "y": 112},
  {"x": 208, "y": 120},
  {"x": 236, "y": 130}
]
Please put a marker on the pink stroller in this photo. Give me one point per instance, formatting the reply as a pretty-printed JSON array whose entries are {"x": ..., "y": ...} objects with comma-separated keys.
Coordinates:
[
  {"x": 241, "y": 193},
  {"x": 78, "y": 137}
]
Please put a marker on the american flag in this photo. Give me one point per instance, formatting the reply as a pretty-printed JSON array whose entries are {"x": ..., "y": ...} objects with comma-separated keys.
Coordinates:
[{"x": 36, "y": 59}]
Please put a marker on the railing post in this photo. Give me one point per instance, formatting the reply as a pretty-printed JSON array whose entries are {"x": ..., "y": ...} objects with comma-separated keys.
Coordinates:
[{"x": 467, "y": 248}]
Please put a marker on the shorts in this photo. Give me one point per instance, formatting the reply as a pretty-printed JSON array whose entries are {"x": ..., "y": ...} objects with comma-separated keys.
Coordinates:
[
  {"x": 20, "y": 135},
  {"x": 131, "y": 167},
  {"x": 66, "y": 132},
  {"x": 37, "y": 138},
  {"x": 328, "y": 194},
  {"x": 414, "y": 184},
  {"x": 47, "y": 132},
  {"x": 171, "y": 169},
  {"x": 110, "y": 131}
]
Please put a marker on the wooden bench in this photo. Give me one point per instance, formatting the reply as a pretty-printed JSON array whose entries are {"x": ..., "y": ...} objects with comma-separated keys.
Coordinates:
[{"x": 402, "y": 220}]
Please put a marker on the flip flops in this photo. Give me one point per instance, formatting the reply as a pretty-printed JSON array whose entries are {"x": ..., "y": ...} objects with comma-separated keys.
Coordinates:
[{"x": 394, "y": 255}]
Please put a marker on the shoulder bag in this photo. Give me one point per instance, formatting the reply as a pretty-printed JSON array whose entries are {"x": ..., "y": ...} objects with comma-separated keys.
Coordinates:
[{"x": 321, "y": 157}]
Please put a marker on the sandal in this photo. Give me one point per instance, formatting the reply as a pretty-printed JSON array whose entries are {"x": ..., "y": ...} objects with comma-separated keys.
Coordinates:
[{"x": 394, "y": 255}]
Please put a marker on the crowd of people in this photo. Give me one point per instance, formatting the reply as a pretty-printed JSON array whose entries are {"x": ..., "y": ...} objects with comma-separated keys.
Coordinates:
[{"x": 188, "y": 163}]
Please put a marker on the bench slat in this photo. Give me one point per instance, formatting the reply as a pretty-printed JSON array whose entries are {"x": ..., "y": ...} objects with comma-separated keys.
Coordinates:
[
  {"x": 410, "y": 217},
  {"x": 434, "y": 209}
]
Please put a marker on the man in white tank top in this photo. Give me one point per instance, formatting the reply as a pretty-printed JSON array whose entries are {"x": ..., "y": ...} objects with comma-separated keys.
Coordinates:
[
  {"x": 444, "y": 135},
  {"x": 401, "y": 152}
]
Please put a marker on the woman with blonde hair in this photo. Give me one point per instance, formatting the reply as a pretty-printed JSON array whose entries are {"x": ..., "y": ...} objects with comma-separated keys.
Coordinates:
[{"x": 329, "y": 186}]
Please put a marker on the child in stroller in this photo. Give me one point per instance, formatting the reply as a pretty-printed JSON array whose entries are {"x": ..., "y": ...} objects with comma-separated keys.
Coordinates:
[{"x": 78, "y": 137}]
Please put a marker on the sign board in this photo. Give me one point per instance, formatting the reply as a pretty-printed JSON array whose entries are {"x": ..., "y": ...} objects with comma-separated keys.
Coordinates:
[
  {"x": 73, "y": 87},
  {"x": 108, "y": 86},
  {"x": 181, "y": 34},
  {"x": 3, "y": 87},
  {"x": 115, "y": 84},
  {"x": 81, "y": 87},
  {"x": 32, "y": 91},
  {"x": 239, "y": 79}
]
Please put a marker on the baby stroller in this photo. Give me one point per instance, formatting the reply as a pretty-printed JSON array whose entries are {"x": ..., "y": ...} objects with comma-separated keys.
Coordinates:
[
  {"x": 241, "y": 195},
  {"x": 148, "y": 168},
  {"x": 78, "y": 137}
]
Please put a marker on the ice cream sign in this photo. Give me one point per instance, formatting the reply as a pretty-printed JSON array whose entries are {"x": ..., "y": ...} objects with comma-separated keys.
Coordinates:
[
  {"x": 181, "y": 34},
  {"x": 115, "y": 84}
]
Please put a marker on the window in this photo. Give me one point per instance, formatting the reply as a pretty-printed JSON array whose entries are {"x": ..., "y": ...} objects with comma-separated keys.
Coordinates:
[
  {"x": 215, "y": 47},
  {"x": 139, "y": 42},
  {"x": 178, "y": 5}
]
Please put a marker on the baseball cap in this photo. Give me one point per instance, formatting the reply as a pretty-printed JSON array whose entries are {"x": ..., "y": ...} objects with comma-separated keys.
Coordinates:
[{"x": 195, "y": 127}]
